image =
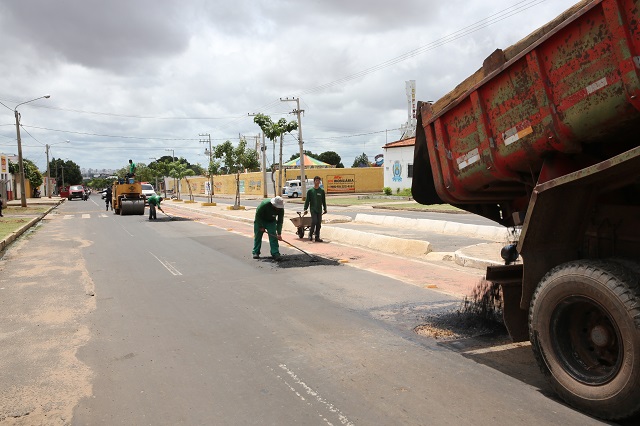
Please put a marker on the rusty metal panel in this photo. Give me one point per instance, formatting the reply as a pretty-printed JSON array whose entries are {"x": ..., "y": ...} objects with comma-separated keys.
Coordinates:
[{"x": 574, "y": 87}]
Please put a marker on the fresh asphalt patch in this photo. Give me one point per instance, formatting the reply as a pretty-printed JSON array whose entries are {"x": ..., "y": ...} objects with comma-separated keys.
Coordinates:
[{"x": 300, "y": 261}]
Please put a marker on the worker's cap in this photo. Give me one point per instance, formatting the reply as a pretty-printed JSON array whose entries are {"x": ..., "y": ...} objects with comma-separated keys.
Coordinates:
[{"x": 278, "y": 202}]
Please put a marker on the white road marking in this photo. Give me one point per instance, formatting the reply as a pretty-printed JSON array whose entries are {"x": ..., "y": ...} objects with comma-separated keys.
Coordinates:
[
  {"x": 125, "y": 230},
  {"x": 68, "y": 216},
  {"x": 167, "y": 265},
  {"x": 86, "y": 215},
  {"x": 312, "y": 394}
]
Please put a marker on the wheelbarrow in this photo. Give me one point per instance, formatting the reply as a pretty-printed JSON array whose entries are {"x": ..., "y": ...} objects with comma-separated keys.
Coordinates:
[{"x": 302, "y": 223}]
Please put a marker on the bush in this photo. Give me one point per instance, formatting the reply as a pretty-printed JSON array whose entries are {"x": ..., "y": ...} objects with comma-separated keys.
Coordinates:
[{"x": 386, "y": 190}]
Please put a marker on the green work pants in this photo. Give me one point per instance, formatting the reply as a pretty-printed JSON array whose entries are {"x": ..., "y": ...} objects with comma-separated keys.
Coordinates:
[{"x": 273, "y": 239}]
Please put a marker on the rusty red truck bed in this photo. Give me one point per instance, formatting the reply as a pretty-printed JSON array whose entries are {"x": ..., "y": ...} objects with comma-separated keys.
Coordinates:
[{"x": 568, "y": 99}]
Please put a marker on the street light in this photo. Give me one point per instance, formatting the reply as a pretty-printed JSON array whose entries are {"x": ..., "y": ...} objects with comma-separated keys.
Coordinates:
[
  {"x": 23, "y": 195},
  {"x": 173, "y": 158}
]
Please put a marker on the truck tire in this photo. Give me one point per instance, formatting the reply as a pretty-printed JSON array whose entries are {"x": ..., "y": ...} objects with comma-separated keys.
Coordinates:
[{"x": 583, "y": 326}]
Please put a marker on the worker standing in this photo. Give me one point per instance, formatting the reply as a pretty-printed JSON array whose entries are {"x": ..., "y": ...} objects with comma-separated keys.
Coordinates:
[
  {"x": 154, "y": 201},
  {"x": 317, "y": 202},
  {"x": 132, "y": 170},
  {"x": 108, "y": 194},
  {"x": 269, "y": 218}
]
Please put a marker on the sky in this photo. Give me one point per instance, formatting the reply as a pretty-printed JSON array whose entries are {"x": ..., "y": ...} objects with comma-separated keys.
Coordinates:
[{"x": 137, "y": 79}]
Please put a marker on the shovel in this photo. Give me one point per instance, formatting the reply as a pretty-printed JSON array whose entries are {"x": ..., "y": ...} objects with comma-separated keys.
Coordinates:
[{"x": 311, "y": 258}]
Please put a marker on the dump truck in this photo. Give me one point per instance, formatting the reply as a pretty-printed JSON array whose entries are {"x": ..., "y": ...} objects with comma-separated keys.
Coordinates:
[
  {"x": 127, "y": 198},
  {"x": 546, "y": 137}
]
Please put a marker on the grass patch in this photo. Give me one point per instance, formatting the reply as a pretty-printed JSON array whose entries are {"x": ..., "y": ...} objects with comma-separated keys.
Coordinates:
[
  {"x": 19, "y": 211},
  {"x": 8, "y": 225}
]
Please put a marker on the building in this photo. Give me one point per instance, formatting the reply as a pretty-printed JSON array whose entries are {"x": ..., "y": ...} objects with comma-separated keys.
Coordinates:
[{"x": 398, "y": 164}]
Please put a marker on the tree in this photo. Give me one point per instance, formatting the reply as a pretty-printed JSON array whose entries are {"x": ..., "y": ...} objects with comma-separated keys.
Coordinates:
[
  {"x": 236, "y": 160},
  {"x": 72, "y": 174},
  {"x": 31, "y": 173},
  {"x": 331, "y": 157},
  {"x": 361, "y": 161},
  {"x": 272, "y": 131},
  {"x": 178, "y": 171}
]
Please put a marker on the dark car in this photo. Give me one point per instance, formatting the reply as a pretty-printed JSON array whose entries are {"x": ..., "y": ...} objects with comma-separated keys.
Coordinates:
[{"x": 77, "y": 191}]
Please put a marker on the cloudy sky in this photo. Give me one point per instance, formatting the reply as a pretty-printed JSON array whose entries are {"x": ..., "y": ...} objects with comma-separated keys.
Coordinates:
[{"x": 135, "y": 78}]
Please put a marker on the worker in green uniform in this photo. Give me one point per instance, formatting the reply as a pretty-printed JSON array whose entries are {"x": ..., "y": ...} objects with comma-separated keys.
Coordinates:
[
  {"x": 132, "y": 171},
  {"x": 317, "y": 201},
  {"x": 269, "y": 218},
  {"x": 154, "y": 201}
]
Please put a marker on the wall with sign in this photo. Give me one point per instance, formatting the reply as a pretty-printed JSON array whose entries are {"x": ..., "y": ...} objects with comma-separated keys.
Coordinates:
[
  {"x": 345, "y": 181},
  {"x": 335, "y": 181}
]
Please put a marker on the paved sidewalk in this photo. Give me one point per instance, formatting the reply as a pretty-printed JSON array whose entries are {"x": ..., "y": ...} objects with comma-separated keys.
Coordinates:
[{"x": 398, "y": 240}]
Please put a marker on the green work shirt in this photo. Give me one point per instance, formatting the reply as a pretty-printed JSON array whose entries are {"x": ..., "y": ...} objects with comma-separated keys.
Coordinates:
[
  {"x": 316, "y": 199},
  {"x": 132, "y": 168},
  {"x": 267, "y": 213},
  {"x": 154, "y": 200}
]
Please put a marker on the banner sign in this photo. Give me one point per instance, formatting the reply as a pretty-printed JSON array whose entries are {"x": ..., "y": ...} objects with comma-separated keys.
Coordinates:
[{"x": 340, "y": 183}]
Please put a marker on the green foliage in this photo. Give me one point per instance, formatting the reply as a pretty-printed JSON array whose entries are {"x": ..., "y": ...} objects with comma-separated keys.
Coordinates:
[
  {"x": 99, "y": 183},
  {"x": 272, "y": 130},
  {"x": 72, "y": 175},
  {"x": 178, "y": 171},
  {"x": 387, "y": 190},
  {"x": 331, "y": 157},
  {"x": 361, "y": 161},
  {"x": 236, "y": 159},
  {"x": 406, "y": 192},
  {"x": 32, "y": 173}
]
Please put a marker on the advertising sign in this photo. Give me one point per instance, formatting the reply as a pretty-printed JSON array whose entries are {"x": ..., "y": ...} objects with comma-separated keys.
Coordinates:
[
  {"x": 4, "y": 164},
  {"x": 340, "y": 183}
]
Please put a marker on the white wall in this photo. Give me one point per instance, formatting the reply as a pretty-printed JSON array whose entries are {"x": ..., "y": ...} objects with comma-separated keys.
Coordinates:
[{"x": 396, "y": 162}]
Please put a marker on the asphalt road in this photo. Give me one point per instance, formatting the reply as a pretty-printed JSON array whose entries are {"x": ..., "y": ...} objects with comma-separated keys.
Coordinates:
[{"x": 176, "y": 324}]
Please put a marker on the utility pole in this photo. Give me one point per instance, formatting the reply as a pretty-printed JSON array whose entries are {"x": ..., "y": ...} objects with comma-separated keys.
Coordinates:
[
  {"x": 48, "y": 174},
  {"x": 297, "y": 111},
  {"x": 264, "y": 168},
  {"x": 210, "y": 163},
  {"x": 263, "y": 152}
]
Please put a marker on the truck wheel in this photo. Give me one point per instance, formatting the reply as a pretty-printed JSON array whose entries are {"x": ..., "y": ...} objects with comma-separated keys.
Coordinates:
[
  {"x": 583, "y": 326},
  {"x": 295, "y": 195}
]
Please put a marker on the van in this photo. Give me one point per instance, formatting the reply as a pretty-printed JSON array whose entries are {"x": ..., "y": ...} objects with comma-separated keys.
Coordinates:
[{"x": 293, "y": 188}]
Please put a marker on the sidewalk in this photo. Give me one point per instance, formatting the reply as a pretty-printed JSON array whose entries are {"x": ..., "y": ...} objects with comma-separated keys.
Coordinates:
[
  {"x": 388, "y": 234},
  {"x": 39, "y": 202}
]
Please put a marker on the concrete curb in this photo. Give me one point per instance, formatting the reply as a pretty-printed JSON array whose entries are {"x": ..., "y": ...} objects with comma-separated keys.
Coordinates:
[{"x": 485, "y": 232}]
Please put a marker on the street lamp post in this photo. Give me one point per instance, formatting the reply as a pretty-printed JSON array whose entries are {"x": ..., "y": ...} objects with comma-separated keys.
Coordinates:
[
  {"x": 173, "y": 158},
  {"x": 210, "y": 162},
  {"x": 23, "y": 195}
]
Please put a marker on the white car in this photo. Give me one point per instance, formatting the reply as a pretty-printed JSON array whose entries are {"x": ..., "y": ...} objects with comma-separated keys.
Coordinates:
[{"x": 147, "y": 190}]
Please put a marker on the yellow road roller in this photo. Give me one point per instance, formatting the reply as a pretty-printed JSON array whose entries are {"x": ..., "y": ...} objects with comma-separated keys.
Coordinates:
[{"x": 127, "y": 198}]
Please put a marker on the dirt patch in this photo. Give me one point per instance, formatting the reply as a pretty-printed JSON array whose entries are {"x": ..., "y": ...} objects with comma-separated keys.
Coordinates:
[
  {"x": 479, "y": 314},
  {"x": 43, "y": 310}
]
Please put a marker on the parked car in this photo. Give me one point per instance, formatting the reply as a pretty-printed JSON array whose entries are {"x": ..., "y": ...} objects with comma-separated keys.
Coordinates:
[
  {"x": 77, "y": 191},
  {"x": 293, "y": 188},
  {"x": 147, "y": 191}
]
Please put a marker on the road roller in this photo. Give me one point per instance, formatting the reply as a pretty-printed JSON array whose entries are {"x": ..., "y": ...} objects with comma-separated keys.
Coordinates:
[{"x": 127, "y": 198}]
